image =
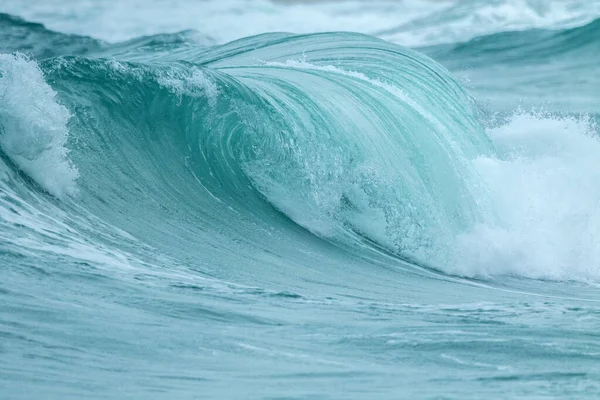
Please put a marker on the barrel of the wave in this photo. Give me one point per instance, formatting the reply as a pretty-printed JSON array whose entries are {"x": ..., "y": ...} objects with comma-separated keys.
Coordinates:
[{"x": 360, "y": 141}]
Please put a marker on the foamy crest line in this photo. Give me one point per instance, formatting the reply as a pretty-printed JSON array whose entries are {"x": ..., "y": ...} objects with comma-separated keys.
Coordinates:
[
  {"x": 33, "y": 125},
  {"x": 192, "y": 83},
  {"x": 546, "y": 199}
]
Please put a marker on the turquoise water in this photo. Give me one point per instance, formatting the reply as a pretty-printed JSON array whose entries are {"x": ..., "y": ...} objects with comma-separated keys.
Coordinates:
[{"x": 235, "y": 212}]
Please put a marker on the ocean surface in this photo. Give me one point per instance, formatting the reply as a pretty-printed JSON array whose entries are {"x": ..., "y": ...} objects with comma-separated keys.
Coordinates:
[{"x": 394, "y": 200}]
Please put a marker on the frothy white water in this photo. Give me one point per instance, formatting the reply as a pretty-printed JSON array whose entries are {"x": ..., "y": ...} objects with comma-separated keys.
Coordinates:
[
  {"x": 538, "y": 193},
  {"x": 33, "y": 125},
  {"x": 546, "y": 197},
  {"x": 192, "y": 83},
  {"x": 410, "y": 23}
]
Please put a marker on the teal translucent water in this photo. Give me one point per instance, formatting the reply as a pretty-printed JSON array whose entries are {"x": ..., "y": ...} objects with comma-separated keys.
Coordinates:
[{"x": 324, "y": 215}]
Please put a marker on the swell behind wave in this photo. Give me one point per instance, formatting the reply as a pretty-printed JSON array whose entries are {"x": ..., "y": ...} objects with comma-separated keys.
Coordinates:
[{"x": 524, "y": 47}]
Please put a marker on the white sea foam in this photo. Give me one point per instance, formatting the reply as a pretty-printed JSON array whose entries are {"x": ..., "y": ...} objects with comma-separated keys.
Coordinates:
[
  {"x": 33, "y": 125},
  {"x": 546, "y": 199},
  {"x": 192, "y": 83}
]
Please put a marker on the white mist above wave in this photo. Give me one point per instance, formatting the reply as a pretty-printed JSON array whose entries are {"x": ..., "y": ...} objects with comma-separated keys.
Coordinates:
[
  {"x": 546, "y": 199},
  {"x": 33, "y": 126},
  {"x": 410, "y": 23}
]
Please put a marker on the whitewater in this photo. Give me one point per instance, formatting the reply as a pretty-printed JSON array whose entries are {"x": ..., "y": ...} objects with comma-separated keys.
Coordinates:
[{"x": 301, "y": 200}]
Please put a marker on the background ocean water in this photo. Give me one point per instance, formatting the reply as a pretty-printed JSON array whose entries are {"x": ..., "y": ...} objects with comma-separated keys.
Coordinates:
[{"x": 394, "y": 200}]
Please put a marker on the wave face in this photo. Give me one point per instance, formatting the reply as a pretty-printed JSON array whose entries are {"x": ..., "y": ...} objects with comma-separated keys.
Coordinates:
[
  {"x": 285, "y": 129},
  {"x": 285, "y": 208}
]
